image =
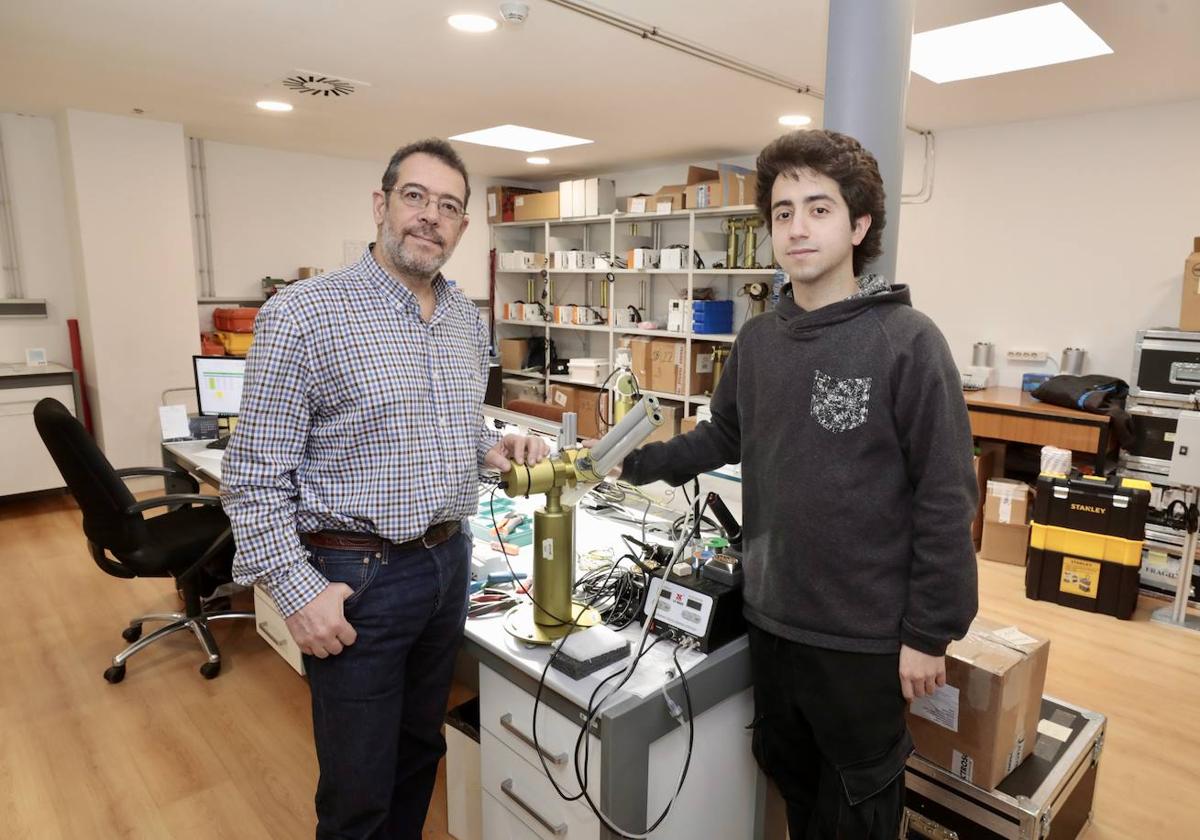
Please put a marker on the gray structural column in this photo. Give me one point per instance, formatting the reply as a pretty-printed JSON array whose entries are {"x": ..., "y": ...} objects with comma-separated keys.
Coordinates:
[{"x": 866, "y": 88}]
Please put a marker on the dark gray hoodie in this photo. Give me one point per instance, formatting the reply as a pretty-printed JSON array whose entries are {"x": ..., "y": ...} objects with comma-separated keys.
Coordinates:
[{"x": 858, "y": 489}]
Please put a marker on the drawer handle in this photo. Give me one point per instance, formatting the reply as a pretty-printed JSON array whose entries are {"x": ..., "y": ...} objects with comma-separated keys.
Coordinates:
[
  {"x": 506, "y": 722},
  {"x": 922, "y": 826},
  {"x": 559, "y": 830},
  {"x": 262, "y": 625}
]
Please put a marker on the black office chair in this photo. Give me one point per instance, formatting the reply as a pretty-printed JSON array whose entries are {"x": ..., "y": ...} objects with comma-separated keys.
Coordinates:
[{"x": 189, "y": 542}]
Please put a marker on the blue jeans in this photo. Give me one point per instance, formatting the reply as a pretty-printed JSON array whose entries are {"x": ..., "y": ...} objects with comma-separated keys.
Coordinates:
[{"x": 378, "y": 706}]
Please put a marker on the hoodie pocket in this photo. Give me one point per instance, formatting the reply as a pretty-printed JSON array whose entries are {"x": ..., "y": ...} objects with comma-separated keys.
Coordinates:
[{"x": 840, "y": 405}]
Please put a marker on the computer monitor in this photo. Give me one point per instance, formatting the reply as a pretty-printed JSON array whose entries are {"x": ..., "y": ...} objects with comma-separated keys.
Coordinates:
[{"x": 219, "y": 384}]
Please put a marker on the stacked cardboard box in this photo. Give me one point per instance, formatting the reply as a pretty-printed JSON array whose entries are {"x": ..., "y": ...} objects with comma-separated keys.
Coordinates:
[{"x": 1006, "y": 521}]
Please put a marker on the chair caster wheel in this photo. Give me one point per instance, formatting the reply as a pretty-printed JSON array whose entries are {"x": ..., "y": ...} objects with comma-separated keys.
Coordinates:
[
  {"x": 115, "y": 673},
  {"x": 210, "y": 669},
  {"x": 132, "y": 633}
]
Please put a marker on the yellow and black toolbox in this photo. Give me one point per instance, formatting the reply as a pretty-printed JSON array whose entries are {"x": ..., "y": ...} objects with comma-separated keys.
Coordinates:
[{"x": 1085, "y": 542}]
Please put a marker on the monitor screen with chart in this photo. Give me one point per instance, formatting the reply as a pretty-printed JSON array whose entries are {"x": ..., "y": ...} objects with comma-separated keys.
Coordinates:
[{"x": 219, "y": 384}]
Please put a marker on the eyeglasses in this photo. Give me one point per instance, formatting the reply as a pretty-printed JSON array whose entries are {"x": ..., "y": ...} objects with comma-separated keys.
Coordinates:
[{"x": 419, "y": 198}]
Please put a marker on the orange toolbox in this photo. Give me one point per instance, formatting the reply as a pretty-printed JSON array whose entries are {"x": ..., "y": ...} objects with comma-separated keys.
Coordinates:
[{"x": 239, "y": 319}]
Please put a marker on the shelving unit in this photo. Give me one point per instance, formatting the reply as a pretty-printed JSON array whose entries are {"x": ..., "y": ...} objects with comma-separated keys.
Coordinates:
[{"x": 701, "y": 230}]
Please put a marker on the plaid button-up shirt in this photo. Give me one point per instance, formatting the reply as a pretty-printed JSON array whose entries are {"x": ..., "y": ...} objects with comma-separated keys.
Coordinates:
[{"x": 356, "y": 415}]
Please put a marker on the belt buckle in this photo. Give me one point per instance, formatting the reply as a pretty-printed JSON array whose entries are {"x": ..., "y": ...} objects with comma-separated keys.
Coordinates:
[{"x": 425, "y": 540}]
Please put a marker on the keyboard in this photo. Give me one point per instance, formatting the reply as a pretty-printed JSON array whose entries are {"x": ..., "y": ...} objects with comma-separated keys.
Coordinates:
[{"x": 219, "y": 443}]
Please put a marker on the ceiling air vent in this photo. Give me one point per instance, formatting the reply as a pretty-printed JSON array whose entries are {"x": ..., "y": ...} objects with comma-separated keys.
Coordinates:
[{"x": 318, "y": 85}]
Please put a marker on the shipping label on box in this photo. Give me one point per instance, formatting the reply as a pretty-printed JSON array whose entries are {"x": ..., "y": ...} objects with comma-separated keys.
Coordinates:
[{"x": 1007, "y": 501}]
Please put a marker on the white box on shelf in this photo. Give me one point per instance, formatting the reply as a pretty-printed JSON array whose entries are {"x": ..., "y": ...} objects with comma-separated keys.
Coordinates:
[
  {"x": 588, "y": 371},
  {"x": 675, "y": 315},
  {"x": 641, "y": 258},
  {"x": 566, "y": 199},
  {"x": 600, "y": 196},
  {"x": 674, "y": 259},
  {"x": 581, "y": 260},
  {"x": 588, "y": 316},
  {"x": 579, "y": 198}
]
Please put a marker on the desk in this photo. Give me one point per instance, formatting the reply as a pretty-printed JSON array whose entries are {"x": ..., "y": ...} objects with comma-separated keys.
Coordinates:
[
  {"x": 1012, "y": 415},
  {"x": 636, "y": 748}
]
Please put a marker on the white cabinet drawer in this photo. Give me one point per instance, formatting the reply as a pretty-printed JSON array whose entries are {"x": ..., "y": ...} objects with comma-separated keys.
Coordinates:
[
  {"x": 22, "y": 400},
  {"x": 506, "y": 711},
  {"x": 526, "y": 793},
  {"x": 27, "y": 464},
  {"x": 499, "y": 824},
  {"x": 270, "y": 625}
]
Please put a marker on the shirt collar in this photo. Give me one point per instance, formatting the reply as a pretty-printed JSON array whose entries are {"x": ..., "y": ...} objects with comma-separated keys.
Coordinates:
[{"x": 397, "y": 292}]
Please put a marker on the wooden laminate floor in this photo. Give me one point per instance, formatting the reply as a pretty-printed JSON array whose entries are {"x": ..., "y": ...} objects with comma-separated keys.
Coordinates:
[{"x": 169, "y": 755}]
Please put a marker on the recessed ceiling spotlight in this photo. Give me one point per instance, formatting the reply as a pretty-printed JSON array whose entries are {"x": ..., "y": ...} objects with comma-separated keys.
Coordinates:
[
  {"x": 271, "y": 105},
  {"x": 538, "y": 161},
  {"x": 472, "y": 23},
  {"x": 795, "y": 120}
]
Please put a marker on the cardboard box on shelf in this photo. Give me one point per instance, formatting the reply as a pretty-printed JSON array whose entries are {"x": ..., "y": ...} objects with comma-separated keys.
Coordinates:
[
  {"x": 687, "y": 424},
  {"x": 583, "y": 401},
  {"x": 501, "y": 202},
  {"x": 671, "y": 198},
  {"x": 667, "y": 357},
  {"x": 641, "y": 360},
  {"x": 1189, "y": 311},
  {"x": 535, "y": 206},
  {"x": 587, "y": 407},
  {"x": 672, "y": 414},
  {"x": 640, "y": 203},
  {"x": 984, "y": 722},
  {"x": 729, "y": 186},
  {"x": 513, "y": 352}
]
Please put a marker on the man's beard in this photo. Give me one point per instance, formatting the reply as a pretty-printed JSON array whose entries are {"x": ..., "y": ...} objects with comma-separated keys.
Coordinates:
[{"x": 408, "y": 262}]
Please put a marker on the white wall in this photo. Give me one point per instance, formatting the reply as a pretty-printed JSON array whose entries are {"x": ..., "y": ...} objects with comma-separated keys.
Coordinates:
[
  {"x": 272, "y": 212},
  {"x": 1066, "y": 232},
  {"x": 43, "y": 243},
  {"x": 127, "y": 200}
]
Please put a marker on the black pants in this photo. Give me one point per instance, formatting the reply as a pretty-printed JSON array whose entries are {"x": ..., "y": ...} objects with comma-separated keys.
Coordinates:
[{"x": 829, "y": 729}]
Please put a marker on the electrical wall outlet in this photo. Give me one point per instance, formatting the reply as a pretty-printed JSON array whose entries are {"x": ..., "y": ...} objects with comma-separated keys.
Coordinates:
[{"x": 1025, "y": 355}]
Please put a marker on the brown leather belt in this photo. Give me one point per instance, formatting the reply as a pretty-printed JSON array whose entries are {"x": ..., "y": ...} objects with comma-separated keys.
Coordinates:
[{"x": 435, "y": 535}]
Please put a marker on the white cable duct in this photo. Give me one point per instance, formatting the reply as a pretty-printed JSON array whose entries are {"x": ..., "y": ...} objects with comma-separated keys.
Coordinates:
[
  {"x": 200, "y": 218},
  {"x": 11, "y": 267}
]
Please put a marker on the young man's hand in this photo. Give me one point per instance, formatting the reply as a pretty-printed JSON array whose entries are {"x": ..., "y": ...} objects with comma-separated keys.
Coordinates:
[
  {"x": 320, "y": 627},
  {"x": 920, "y": 673},
  {"x": 521, "y": 449}
]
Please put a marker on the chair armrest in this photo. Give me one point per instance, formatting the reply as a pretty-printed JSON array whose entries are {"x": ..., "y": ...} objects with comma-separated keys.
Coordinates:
[
  {"x": 173, "y": 499},
  {"x": 166, "y": 472}
]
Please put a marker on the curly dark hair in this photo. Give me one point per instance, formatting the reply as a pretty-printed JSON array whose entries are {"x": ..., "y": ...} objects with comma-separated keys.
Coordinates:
[
  {"x": 434, "y": 147},
  {"x": 837, "y": 156}
]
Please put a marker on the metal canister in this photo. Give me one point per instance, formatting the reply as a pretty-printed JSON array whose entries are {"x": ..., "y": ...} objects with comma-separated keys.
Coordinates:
[{"x": 719, "y": 355}]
